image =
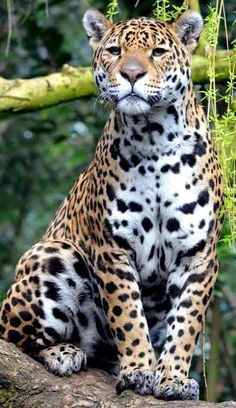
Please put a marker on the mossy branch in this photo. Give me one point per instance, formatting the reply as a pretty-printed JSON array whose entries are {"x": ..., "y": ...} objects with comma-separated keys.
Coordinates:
[
  {"x": 73, "y": 83},
  {"x": 42, "y": 92},
  {"x": 24, "y": 383}
]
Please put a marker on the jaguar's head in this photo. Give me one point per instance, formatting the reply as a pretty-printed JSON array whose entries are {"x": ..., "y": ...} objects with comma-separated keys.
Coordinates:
[{"x": 142, "y": 62}]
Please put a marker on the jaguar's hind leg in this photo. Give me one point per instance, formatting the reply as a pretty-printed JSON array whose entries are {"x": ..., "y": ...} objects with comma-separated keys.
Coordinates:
[{"x": 49, "y": 310}]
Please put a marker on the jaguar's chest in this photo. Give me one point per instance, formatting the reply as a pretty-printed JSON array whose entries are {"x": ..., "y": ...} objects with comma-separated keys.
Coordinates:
[
  {"x": 135, "y": 214},
  {"x": 135, "y": 218},
  {"x": 148, "y": 213}
]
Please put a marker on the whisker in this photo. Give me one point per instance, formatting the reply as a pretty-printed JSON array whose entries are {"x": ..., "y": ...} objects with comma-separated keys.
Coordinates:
[{"x": 100, "y": 97}]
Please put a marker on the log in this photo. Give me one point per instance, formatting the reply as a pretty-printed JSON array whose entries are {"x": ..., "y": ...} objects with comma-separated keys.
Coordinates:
[
  {"x": 24, "y": 95},
  {"x": 25, "y": 383}
]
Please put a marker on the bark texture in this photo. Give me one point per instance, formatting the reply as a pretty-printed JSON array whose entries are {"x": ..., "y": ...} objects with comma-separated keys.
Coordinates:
[
  {"x": 72, "y": 83},
  {"x": 25, "y": 383}
]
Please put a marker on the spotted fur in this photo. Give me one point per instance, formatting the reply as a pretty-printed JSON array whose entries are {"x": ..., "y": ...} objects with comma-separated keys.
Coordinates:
[{"x": 129, "y": 261}]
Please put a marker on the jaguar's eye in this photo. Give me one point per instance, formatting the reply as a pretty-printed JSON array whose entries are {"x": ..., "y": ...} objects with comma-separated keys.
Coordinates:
[
  {"x": 158, "y": 52},
  {"x": 114, "y": 50}
]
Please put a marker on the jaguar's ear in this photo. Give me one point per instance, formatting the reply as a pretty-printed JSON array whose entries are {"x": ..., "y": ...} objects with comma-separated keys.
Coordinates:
[
  {"x": 96, "y": 25},
  {"x": 188, "y": 28}
]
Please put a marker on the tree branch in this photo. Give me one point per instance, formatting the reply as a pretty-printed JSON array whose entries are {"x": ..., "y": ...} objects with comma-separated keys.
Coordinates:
[
  {"x": 194, "y": 5},
  {"x": 42, "y": 92},
  {"x": 24, "y": 383},
  {"x": 73, "y": 83}
]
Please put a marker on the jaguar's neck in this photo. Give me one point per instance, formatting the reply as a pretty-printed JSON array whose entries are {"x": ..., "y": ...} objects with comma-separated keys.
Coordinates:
[{"x": 162, "y": 129}]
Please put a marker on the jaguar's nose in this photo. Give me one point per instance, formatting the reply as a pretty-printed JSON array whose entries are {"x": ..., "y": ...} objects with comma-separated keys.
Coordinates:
[{"x": 132, "y": 74}]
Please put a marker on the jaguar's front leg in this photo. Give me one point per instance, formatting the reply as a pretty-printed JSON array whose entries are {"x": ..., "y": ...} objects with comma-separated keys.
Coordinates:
[
  {"x": 189, "y": 288},
  {"x": 123, "y": 307}
]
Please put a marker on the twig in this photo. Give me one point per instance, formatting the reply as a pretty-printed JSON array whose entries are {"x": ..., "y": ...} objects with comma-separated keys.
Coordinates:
[
  {"x": 46, "y": 9},
  {"x": 9, "y": 34},
  {"x": 204, "y": 358}
]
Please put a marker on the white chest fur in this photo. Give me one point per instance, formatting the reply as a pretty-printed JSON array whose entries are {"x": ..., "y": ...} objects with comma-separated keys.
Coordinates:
[{"x": 159, "y": 213}]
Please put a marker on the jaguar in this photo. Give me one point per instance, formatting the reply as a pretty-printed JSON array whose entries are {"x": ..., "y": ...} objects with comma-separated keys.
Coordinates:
[{"x": 128, "y": 264}]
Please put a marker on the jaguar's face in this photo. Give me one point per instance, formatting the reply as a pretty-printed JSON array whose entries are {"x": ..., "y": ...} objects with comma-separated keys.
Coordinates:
[{"x": 139, "y": 64}]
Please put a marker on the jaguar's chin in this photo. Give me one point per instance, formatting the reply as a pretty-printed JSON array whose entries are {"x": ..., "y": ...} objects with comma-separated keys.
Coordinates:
[{"x": 133, "y": 105}]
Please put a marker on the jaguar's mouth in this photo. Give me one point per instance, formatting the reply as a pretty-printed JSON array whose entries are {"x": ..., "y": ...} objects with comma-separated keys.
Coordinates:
[
  {"x": 133, "y": 104},
  {"x": 132, "y": 97}
]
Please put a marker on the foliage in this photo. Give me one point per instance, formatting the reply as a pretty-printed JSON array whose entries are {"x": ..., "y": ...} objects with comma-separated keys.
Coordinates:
[
  {"x": 164, "y": 11},
  {"x": 224, "y": 126},
  {"x": 42, "y": 153},
  {"x": 112, "y": 9}
]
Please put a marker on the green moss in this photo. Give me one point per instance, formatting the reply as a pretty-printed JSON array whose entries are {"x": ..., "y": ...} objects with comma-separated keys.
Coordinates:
[{"x": 8, "y": 397}]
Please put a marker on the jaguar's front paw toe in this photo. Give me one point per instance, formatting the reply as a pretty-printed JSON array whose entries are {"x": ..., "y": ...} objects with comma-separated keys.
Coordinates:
[
  {"x": 139, "y": 381},
  {"x": 178, "y": 389}
]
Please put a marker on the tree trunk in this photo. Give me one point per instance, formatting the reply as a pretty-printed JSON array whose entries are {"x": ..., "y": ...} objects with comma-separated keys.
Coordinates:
[
  {"x": 24, "y": 383},
  {"x": 212, "y": 372},
  {"x": 72, "y": 83}
]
